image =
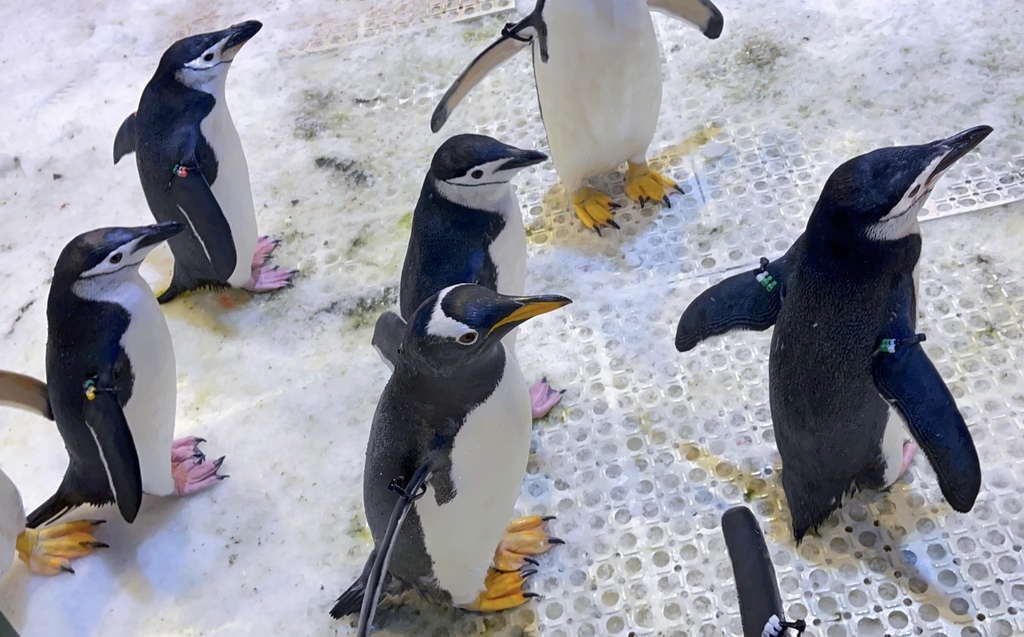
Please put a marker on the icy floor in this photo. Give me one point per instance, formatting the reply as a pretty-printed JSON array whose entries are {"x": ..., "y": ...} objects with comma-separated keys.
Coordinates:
[{"x": 332, "y": 101}]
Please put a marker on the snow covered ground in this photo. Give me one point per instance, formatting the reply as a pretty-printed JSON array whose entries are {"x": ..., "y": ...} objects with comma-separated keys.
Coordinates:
[{"x": 649, "y": 447}]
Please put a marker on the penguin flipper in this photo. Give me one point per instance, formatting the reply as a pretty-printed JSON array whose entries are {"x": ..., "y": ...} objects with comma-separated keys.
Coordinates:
[
  {"x": 702, "y": 14},
  {"x": 753, "y": 570},
  {"x": 6, "y": 630},
  {"x": 25, "y": 392},
  {"x": 387, "y": 338},
  {"x": 124, "y": 141},
  {"x": 376, "y": 578},
  {"x": 198, "y": 209},
  {"x": 749, "y": 301},
  {"x": 513, "y": 40},
  {"x": 910, "y": 383},
  {"x": 106, "y": 421}
]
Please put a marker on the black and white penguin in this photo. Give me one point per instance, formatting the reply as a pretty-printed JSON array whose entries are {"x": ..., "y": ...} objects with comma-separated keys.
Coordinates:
[
  {"x": 46, "y": 551},
  {"x": 447, "y": 452},
  {"x": 193, "y": 169},
  {"x": 597, "y": 65},
  {"x": 468, "y": 228},
  {"x": 111, "y": 380},
  {"x": 846, "y": 365}
]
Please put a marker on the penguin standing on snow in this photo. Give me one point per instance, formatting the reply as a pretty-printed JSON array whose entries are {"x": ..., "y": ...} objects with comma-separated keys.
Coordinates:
[
  {"x": 193, "y": 169},
  {"x": 111, "y": 381},
  {"x": 846, "y": 365},
  {"x": 467, "y": 228},
  {"x": 447, "y": 452},
  {"x": 597, "y": 65}
]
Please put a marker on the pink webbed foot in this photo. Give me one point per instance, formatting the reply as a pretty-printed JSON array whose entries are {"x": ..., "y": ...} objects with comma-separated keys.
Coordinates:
[
  {"x": 192, "y": 473},
  {"x": 909, "y": 449},
  {"x": 543, "y": 398},
  {"x": 264, "y": 248},
  {"x": 269, "y": 278},
  {"x": 184, "y": 448}
]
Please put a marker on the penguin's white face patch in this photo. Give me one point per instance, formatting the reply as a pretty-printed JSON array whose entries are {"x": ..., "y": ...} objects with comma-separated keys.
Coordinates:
[
  {"x": 126, "y": 256},
  {"x": 481, "y": 188},
  {"x": 444, "y": 326},
  {"x": 902, "y": 221},
  {"x": 208, "y": 71}
]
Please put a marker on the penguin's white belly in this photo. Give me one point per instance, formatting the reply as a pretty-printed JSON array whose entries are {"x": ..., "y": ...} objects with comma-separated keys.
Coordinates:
[
  {"x": 12, "y": 521},
  {"x": 508, "y": 253},
  {"x": 231, "y": 188},
  {"x": 489, "y": 457},
  {"x": 150, "y": 410},
  {"x": 600, "y": 90}
]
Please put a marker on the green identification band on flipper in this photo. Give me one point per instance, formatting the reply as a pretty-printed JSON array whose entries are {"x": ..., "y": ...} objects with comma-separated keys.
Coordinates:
[
  {"x": 890, "y": 345},
  {"x": 90, "y": 389},
  {"x": 766, "y": 280}
]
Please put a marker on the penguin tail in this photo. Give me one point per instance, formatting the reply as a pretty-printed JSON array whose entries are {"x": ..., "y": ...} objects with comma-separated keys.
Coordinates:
[
  {"x": 351, "y": 601},
  {"x": 58, "y": 505}
]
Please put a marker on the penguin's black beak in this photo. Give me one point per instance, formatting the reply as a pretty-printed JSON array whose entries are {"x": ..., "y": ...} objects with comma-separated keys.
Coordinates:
[
  {"x": 155, "y": 234},
  {"x": 955, "y": 147},
  {"x": 523, "y": 308},
  {"x": 522, "y": 159},
  {"x": 239, "y": 34}
]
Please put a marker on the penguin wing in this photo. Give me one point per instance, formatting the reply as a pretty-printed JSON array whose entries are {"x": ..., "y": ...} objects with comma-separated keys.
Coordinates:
[
  {"x": 747, "y": 301},
  {"x": 514, "y": 38},
  {"x": 124, "y": 141},
  {"x": 25, "y": 392},
  {"x": 106, "y": 422},
  {"x": 387, "y": 337},
  {"x": 374, "y": 576},
  {"x": 702, "y": 14},
  {"x": 910, "y": 383},
  {"x": 753, "y": 570},
  {"x": 197, "y": 208}
]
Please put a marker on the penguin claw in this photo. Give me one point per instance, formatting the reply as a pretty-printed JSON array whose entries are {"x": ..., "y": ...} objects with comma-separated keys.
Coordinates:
[
  {"x": 268, "y": 278},
  {"x": 183, "y": 449},
  {"x": 194, "y": 474},
  {"x": 543, "y": 398},
  {"x": 594, "y": 208},
  {"x": 49, "y": 551},
  {"x": 644, "y": 185},
  {"x": 524, "y": 537},
  {"x": 264, "y": 248}
]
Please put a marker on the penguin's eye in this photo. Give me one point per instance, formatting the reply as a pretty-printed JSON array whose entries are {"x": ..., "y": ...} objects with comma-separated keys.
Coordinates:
[
  {"x": 208, "y": 57},
  {"x": 116, "y": 258},
  {"x": 913, "y": 192},
  {"x": 468, "y": 338},
  {"x": 477, "y": 174}
]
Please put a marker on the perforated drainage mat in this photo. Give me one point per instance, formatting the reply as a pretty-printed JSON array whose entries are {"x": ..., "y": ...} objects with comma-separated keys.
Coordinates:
[{"x": 651, "y": 446}]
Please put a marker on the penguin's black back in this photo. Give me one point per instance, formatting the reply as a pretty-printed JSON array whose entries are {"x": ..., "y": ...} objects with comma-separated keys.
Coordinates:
[
  {"x": 168, "y": 133},
  {"x": 828, "y": 415},
  {"x": 82, "y": 336},
  {"x": 417, "y": 418},
  {"x": 449, "y": 244}
]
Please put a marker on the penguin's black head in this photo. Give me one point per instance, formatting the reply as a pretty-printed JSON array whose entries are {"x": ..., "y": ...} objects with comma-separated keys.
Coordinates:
[
  {"x": 201, "y": 62},
  {"x": 461, "y": 321},
  {"x": 878, "y": 196},
  {"x": 108, "y": 251},
  {"x": 474, "y": 170}
]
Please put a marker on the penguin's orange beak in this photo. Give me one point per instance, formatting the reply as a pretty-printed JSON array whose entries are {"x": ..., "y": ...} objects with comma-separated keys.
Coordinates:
[{"x": 528, "y": 307}]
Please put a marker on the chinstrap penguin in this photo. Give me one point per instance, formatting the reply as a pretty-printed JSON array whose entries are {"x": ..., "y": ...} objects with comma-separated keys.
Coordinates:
[
  {"x": 597, "y": 66},
  {"x": 467, "y": 228},
  {"x": 193, "y": 169},
  {"x": 111, "y": 382},
  {"x": 846, "y": 366}
]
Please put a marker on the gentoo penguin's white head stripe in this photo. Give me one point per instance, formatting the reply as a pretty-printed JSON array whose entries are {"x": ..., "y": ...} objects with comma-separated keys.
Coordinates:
[{"x": 444, "y": 326}]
